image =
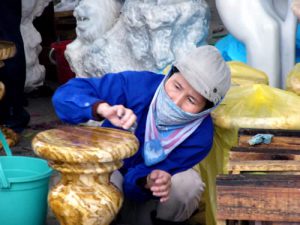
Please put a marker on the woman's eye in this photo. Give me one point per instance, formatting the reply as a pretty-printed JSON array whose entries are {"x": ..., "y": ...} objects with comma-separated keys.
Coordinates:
[
  {"x": 177, "y": 86},
  {"x": 191, "y": 100}
]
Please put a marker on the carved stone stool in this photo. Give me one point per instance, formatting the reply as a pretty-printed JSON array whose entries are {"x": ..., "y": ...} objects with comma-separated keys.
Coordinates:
[
  {"x": 7, "y": 50},
  {"x": 86, "y": 157}
]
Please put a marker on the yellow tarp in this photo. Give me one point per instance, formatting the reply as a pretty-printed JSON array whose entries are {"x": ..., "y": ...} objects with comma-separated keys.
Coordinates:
[
  {"x": 242, "y": 74},
  {"x": 293, "y": 80}
]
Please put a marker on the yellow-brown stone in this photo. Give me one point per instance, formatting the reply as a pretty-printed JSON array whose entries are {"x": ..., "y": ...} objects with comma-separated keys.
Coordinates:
[
  {"x": 75, "y": 144},
  {"x": 86, "y": 157},
  {"x": 7, "y": 49},
  {"x": 11, "y": 137},
  {"x": 2, "y": 90}
]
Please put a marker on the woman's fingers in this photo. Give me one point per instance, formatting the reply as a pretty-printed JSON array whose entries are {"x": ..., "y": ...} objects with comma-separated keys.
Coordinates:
[
  {"x": 120, "y": 116},
  {"x": 163, "y": 180},
  {"x": 121, "y": 110},
  {"x": 159, "y": 182},
  {"x": 161, "y": 194},
  {"x": 128, "y": 119},
  {"x": 161, "y": 187},
  {"x": 164, "y": 199},
  {"x": 129, "y": 122},
  {"x": 126, "y": 116}
]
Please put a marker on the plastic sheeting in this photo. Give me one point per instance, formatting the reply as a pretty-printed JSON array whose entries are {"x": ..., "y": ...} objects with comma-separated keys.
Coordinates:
[
  {"x": 233, "y": 49},
  {"x": 246, "y": 106},
  {"x": 242, "y": 74},
  {"x": 293, "y": 80}
]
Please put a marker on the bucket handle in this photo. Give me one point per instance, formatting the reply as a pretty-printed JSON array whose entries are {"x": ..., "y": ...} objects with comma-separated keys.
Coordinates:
[
  {"x": 4, "y": 144},
  {"x": 4, "y": 183},
  {"x": 51, "y": 56}
]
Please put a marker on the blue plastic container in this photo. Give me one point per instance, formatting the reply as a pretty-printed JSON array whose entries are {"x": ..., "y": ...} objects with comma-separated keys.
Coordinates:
[{"x": 24, "y": 183}]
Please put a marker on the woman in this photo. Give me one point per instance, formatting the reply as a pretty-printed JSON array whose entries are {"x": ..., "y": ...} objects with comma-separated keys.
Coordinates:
[{"x": 174, "y": 129}]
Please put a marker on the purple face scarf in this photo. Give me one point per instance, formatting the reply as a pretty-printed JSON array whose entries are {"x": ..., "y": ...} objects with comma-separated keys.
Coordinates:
[{"x": 167, "y": 126}]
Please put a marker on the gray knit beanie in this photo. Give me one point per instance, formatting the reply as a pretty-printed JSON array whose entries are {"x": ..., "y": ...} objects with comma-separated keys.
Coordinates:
[{"x": 206, "y": 71}]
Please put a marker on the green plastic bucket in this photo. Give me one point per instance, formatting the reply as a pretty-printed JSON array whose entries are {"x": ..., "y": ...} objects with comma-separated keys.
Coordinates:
[{"x": 24, "y": 183}]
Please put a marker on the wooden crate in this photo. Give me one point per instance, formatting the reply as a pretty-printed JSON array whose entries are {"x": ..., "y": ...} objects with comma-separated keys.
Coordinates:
[
  {"x": 281, "y": 155},
  {"x": 263, "y": 182},
  {"x": 259, "y": 197}
]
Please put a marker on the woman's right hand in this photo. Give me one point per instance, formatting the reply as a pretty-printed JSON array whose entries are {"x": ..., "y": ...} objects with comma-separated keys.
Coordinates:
[{"x": 118, "y": 115}]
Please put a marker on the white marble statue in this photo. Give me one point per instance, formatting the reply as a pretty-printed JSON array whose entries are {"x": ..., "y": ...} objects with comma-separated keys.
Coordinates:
[
  {"x": 94, "y": 18},
  {"x": 66, "y": 5},
  {"x": 268, "y": 29},
  {"x": 35, "y": 73},
  {"x": 147, "y": 35}
]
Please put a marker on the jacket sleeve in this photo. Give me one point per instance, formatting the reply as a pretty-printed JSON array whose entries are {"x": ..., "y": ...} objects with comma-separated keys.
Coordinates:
[
  {"x": 185, "y": 156},
  {"x": 73, "y": 102}
]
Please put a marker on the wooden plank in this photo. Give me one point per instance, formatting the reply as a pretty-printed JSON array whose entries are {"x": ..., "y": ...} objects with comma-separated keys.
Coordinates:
[
  {"x": 263, "y": 165},
  {"x": 277, "y": 142},
  {"x": 266, "y": 150},
  {"x": 276, "y": 132},
  {"x": 63, "y": 14},
  {"x": 253, "y": 153},
  {"x": 259, "y": 180},
  {"x": 275, "y": 223},
  {"x": 282, "y": 223},
  {"x": 258, "y": 197}
]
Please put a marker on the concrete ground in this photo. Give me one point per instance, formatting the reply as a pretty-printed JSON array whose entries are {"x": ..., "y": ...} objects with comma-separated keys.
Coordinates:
[{"x": 43, "y": 116}]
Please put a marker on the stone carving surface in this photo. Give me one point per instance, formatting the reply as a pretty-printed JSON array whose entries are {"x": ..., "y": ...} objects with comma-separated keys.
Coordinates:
[
  {"x": 146, "y": 35},
  {"x": 35, "y": 73},
  {"x": 86, "y": 156},
  {"x": 268, "y": 29},
  {"x": 93, "y": 18}
]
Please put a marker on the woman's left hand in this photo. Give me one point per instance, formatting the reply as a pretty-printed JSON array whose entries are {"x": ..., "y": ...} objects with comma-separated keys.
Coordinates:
[{"x": 159, "y": 182}]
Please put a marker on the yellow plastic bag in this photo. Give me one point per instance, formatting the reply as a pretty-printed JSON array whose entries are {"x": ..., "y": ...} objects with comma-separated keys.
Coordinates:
[
  {"x": 242, "y": 74},
  {"x": 259, "y": 106},
  {"x": 293, "y": 80},
  {"x": 250, "y": 106}
]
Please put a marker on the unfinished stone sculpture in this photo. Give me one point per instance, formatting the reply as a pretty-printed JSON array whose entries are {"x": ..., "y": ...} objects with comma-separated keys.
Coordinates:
[
  {"x": 65, "y": 5},
  {"x": 86, "y": 157},
  {"x": 94, "y": 18},
  {"x": 147, "y": 35},
  {"x": 268, "y": 29},
  {"x": 35, "y": 73}
]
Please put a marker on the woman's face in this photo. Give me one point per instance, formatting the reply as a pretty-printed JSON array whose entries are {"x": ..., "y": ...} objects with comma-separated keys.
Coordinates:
[{"x": 183, "y": 95}]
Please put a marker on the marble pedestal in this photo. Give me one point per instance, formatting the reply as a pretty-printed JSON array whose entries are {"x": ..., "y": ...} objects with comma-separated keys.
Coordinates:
[
  {"x": 85, "y": 157},
  {"x": 7, "y": 50}
]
